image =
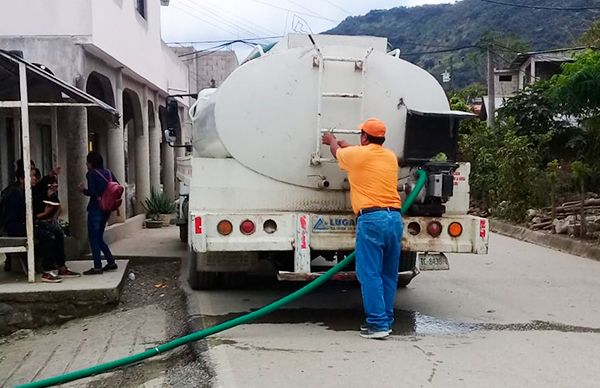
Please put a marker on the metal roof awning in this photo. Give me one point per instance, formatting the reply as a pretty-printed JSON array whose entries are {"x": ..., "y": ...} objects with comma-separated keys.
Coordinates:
[
  {"x": 38, "y": 78},
  {"x": 458, "y": 114}
]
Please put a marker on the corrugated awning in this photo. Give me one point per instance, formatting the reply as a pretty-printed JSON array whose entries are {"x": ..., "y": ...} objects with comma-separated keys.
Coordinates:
[
  {"x": 443, "y": 113},
  {"x": 40, "y": 79}
]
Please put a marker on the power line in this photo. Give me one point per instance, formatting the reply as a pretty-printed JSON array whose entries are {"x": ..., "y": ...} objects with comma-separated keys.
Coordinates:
[
  {"x": 228, "y": 43},
  {"x": 241, "y": 19},
  {"x": 443, "y": 51},
  {"x": 219, "y": 18},
  {"x": 497, "y": 2},
  {"x": 196, "y": 16},
  {"x": 338, "y": 7},
  {"x": 298, "y": 12},
  {"x": 225, "y": 40}
]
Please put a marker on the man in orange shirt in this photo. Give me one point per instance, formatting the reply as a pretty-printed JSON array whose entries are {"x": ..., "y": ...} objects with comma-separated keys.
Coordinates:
[{"x": 373, "y": 175}]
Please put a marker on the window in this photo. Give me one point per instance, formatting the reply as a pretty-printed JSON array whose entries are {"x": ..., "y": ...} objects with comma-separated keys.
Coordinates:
[
  {"x": 506, "y": 78},
  {"x": 140, "y": 6}
]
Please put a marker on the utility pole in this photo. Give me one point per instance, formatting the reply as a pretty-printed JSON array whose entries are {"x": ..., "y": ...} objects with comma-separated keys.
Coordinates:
[{"x": 491, "y": 113}]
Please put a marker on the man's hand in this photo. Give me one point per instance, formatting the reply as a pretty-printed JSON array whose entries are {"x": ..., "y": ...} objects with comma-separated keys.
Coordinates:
[
  {"x": 329, "y": 139},
  {"x": 81, "y": 187}
]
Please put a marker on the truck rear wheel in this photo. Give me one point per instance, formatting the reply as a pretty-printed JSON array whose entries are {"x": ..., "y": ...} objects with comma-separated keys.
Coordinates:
[
  {"x": 183, "y": 233},
  {"x": 202, "y": 280},
  {"x": 234, "y": 279}
]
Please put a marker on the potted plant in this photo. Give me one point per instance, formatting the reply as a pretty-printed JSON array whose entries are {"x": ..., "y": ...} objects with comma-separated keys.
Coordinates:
[
  {"x": 160, "y": 207},
  {"x": 153, "y": 221}
]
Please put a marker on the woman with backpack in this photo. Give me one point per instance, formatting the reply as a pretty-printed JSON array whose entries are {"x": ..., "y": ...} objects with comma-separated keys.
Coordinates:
[{"x": 101, "y": 184}]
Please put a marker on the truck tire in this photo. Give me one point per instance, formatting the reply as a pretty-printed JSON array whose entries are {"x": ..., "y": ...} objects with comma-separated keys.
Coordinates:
[
  {"x": 201, "y": 280},
  {"x": 183, "y": 233},
  {"x": 234, "y": 279},
  {"x": 408, "y": 262}
]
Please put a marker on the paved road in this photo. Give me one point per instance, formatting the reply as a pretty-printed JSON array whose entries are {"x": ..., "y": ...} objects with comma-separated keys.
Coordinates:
[{"x": 521, "y": 316}]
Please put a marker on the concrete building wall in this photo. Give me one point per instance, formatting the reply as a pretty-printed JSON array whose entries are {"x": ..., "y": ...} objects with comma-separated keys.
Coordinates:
[
  {"x": 109, "y": 29},
  {"x": 51, "y": 52},
  {"x": 505, "y": 87},
  {"x": 207, "y": 70},
  {"x": 46, "y": 17}
]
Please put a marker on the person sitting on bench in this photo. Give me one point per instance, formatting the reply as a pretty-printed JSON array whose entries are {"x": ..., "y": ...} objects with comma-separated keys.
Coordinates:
[{"x": 49, "y": 236}]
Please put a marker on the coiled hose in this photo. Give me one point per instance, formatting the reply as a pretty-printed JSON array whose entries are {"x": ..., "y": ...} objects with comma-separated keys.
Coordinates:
[{"x": 198, "y": 335}]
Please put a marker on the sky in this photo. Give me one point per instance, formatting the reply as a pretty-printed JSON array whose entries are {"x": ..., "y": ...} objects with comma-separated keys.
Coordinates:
[{"x": 205, "y": 21}]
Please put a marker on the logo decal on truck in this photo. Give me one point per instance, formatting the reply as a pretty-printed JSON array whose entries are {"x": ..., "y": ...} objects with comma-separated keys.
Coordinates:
[
  {"x": 334, "y": 224},
  {"x": 303, "y": 232}
]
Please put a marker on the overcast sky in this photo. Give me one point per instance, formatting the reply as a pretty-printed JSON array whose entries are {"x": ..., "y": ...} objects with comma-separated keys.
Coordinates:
[{"x": 214, "y": 20}]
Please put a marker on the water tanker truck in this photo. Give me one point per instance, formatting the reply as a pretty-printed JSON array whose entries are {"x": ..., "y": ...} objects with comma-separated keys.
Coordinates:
[{"x": 259, "y": 186}]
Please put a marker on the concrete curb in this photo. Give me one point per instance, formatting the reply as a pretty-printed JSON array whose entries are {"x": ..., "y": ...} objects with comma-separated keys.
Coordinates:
[{"x": 553, "y": 241}]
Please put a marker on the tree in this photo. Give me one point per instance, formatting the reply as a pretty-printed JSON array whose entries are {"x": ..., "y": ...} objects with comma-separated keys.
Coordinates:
[{"x": 591, "y": 38}]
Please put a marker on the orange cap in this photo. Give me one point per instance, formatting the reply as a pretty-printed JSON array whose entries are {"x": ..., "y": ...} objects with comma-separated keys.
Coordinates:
[{"x": 373, "y": 127}]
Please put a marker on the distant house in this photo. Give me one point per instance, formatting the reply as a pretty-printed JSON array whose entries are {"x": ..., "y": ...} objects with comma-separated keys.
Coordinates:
[{"x": 526, "y": 69}]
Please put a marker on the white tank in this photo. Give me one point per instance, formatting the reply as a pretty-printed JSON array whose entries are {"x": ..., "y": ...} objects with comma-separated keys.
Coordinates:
[{"x": 266, "y": 113}]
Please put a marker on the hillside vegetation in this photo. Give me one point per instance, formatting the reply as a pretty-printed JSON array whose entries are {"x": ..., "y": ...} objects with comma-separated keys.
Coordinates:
[{"x": 470, "y": 23}]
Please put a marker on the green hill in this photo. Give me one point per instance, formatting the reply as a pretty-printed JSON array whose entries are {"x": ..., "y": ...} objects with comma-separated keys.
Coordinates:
[{"x": 467, "y": 23}]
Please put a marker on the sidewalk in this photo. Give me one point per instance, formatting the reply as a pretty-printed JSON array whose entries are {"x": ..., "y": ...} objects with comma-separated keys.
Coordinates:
[
  {"x": 151, "y": 244},
  {"x": 151, "y": 311}
]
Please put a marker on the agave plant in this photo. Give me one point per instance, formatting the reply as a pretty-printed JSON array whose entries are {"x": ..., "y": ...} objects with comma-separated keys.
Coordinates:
[{"x": 159, "y": 203}]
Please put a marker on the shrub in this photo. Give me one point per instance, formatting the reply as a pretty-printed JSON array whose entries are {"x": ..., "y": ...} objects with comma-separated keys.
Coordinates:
[{"x": 159, "y": 203}]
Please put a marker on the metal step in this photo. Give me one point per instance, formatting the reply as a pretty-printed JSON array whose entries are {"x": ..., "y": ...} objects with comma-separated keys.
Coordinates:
[
  {"x": 341, "y": 131},
  {"x": 342, "y": 59}
]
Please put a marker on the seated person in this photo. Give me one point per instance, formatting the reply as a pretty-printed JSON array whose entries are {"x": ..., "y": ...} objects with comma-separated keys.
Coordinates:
[{"x": 49, "y": 235}]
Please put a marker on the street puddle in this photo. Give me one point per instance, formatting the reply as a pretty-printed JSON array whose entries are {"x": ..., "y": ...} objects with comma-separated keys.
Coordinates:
[{"x": 407, "y": 323}]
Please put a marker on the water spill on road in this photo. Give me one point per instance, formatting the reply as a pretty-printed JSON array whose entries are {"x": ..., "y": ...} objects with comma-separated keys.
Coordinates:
[{"x": 408, "y": 323}]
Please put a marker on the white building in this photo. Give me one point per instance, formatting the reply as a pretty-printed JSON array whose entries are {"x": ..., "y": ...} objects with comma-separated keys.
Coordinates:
[{"x": 112, "y": 49}]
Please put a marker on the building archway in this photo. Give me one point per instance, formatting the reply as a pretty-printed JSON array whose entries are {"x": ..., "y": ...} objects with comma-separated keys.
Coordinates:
[
  {"x": 99, "y": 86},
  {"x": 133, "y": 133}
]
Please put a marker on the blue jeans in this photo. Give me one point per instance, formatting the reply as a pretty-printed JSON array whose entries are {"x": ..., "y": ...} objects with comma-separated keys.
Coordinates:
[
  {"x": 96, "y": 225},
  {"x": 378, "y": 239}
]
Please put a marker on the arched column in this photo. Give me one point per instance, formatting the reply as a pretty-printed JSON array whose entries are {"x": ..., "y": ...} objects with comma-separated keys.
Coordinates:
[{"x": 154, "y": 146}]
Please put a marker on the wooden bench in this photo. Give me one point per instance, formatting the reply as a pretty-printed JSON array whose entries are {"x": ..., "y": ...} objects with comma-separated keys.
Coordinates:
[{"x": 14, "y": 248}]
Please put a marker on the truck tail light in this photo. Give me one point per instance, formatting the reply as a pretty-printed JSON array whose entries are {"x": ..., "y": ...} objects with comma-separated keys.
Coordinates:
[
  {"x": 414, "y": 228},
  {"x": 270, "y": 226},
  {"x": 224, "y": 228},
  {"x": 434, "y": 228},
  {"x": 455, "y": 229},
  {"x": 247, "y": 227},
  {"x": 198, "y": 225}
]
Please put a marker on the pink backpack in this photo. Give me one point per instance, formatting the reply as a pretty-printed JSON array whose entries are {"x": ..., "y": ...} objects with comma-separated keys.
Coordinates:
[{"x": 110, "y": 200}]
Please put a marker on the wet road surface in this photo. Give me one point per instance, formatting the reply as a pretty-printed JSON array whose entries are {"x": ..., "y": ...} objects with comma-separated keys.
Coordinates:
[{"x": 521, "y": 316}]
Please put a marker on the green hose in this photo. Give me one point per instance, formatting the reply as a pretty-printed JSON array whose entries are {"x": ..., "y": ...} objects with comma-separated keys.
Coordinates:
[{"x": 198, "y": 335}]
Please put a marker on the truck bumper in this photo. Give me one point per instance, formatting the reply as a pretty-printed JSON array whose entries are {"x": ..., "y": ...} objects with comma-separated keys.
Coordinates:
[{"x": 305, "y": 233}]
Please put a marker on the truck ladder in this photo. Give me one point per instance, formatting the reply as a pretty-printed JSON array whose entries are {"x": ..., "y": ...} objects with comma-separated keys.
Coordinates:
[{"x": 359, "y": 64}]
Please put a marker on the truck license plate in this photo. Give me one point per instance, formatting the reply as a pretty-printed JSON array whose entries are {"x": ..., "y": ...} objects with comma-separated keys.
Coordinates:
[{"x": 433, "y": 262}]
